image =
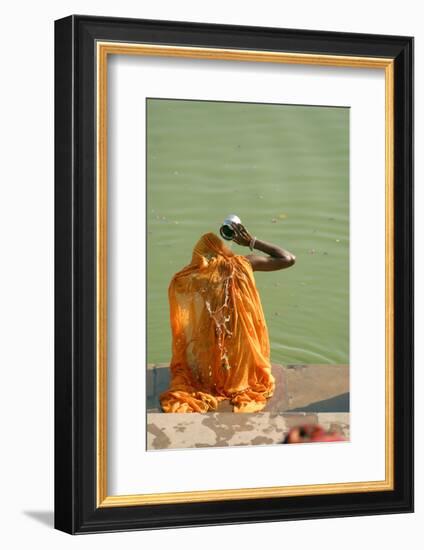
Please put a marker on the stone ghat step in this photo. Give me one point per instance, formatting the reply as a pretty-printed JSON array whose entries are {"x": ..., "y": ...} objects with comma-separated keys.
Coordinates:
[
  {"x": 299, "y": 388},
  {"x": 185, "y": 431}
]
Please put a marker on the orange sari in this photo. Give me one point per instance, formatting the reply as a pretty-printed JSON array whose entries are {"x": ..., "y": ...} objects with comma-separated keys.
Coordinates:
[{"x": 220, "y": 344}]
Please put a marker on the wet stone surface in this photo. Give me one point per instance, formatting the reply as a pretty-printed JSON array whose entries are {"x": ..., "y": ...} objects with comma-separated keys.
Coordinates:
[{"x": 298, "y": 388}]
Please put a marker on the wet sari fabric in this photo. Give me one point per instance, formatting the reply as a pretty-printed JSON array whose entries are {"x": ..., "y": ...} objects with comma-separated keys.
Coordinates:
[{"x": 220, "y": 343}]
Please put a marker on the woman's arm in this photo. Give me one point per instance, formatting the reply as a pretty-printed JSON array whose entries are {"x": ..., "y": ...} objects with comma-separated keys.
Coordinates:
[{"x": 278, "y": 257}]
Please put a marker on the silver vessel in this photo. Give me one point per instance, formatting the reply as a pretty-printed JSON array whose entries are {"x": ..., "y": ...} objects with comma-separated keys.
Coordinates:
[{"x": 227, "y": 232}]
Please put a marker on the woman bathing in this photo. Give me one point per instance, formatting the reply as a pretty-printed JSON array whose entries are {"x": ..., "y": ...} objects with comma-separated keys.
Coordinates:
[{"x": 220, "y": 343}]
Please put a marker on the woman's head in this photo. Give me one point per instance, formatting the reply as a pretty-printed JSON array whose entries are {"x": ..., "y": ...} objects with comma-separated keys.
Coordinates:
[{"x": 210, "y": 245}]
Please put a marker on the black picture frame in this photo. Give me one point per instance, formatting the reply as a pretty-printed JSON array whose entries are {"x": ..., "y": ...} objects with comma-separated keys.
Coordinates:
[{"x": 76, "y": 509}]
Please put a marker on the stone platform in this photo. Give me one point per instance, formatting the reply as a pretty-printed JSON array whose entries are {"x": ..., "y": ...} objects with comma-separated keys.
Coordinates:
[{"x": 305, "y": 394}]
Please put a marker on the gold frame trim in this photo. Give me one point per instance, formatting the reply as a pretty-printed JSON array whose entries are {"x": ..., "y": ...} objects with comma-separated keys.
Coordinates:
[{"x": 120, "y": 48}]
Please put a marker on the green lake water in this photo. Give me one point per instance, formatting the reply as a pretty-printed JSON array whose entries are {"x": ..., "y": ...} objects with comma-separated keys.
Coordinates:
[{"x": 284, "y": 170}]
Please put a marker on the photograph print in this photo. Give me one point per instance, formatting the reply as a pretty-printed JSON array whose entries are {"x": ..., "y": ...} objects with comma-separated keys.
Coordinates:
[{"x": 247, "y": 274}]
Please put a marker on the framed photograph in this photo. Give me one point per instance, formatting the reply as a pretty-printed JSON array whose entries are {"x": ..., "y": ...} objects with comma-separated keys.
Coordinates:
[{"x": 234, "y": 274}]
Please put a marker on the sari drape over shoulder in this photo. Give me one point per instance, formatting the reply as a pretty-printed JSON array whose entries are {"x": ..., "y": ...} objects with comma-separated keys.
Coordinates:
[{"x": 220, "y": 343}]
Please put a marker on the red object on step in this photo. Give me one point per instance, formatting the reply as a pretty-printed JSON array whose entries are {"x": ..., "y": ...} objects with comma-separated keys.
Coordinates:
[{"x": 311, "y": 433}]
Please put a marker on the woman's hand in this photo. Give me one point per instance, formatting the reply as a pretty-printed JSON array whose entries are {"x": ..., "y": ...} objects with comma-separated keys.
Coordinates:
[
  {"x": 277, "y": 258},
  {"x": 241, "y": 234}
]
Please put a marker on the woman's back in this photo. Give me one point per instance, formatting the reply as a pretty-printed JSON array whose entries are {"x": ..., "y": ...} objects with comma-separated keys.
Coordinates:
[{"x": 220, "y": 340}]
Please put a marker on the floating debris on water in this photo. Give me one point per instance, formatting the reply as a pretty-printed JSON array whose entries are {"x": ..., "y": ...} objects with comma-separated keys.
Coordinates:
[
  {"x": 274, "y": 220},
  {"x": 337, "y": 240},
  {"x": 282, "y": 216},
  {"x": 312, "y": 251}
]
